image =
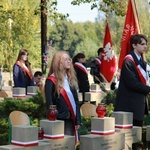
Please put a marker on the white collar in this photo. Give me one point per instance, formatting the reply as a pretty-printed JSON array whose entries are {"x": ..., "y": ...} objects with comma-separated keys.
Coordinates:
[{"x": 138, "y": 57}]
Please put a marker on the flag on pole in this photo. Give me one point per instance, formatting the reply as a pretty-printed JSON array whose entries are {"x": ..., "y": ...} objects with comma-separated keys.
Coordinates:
[
  {"x": 131, "y": 27},
  {"x": 108, "y": 65}
]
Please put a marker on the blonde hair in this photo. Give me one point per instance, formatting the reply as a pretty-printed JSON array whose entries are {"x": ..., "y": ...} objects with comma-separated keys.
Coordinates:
[{"x": 60, "y": 72}]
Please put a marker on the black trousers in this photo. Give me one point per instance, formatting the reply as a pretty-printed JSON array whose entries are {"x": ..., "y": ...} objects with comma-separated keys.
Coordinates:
[
  {"x": 69, "y": 127},
  {"x": 138, "y": 123}
]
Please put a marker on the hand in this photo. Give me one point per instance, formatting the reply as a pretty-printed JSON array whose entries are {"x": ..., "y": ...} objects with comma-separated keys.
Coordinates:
[{"x": 77, "y": 127}]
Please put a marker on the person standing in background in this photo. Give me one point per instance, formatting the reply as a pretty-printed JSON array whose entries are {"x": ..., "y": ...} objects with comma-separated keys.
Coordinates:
[
  {"x": 81, "y": 73},
  {"x": 133, "y": 86},
  {"x": 95, "y": 67},
  {"x": 22, "y": 74},
  {"x": 61, "y": 90}
]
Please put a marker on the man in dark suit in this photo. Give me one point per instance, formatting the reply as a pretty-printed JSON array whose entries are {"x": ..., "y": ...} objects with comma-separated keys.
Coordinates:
[
  {"x": 133, "y": 87},
  {"x": 95, "y": 67}
]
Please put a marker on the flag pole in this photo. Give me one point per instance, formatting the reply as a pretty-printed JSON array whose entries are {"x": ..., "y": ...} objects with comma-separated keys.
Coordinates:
[
  {"x": 136, "y": 16},
  {"x": 137, "y": 21}
]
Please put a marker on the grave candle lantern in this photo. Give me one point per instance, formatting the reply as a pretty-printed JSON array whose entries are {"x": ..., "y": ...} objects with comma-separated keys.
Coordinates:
[{"x": 101, "y": 110}]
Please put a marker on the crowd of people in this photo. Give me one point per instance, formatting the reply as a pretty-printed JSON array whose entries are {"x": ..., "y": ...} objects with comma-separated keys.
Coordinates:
[{"x": 67, "y": 76}]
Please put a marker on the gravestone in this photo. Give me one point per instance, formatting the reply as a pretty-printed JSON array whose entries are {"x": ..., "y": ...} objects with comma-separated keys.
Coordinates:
[
  {"x": 53, "y": 129},
  {"x": 24, "y": 135},
  {"x": 32, "y": 90},
  {"x": 102, "y": 142},
  {"x": 124, "y": 124},
  {"x": 95, "y": 94},
  {"x": 103, "y": 126},
  {"x": 19, "y": 92},
  {"x": 103, "y": 136},
  {"x": 54, "y": 134}
]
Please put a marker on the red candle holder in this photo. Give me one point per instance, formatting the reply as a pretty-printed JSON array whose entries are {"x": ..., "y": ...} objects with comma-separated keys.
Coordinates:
[
  {"x": 101, "y": 110},
  {"x": 52, "y": 112},
  {"x": 40, "y": 133}
]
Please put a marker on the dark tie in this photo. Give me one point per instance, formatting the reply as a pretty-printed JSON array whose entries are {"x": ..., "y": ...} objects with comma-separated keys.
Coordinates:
[{"x": 142, "y": 64}]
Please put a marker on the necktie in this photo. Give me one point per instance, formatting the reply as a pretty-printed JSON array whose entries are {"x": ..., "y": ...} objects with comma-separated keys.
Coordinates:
[{"x": 142, "y": 64}]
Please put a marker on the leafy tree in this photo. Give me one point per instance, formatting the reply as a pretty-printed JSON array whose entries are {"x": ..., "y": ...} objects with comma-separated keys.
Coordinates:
[
  {"x": 143, "y": 8},
  {"x": 21, "y": 31},
  {"x": 116, "y": 6},
  {"x": 66, "y": 36},
  {"x": 88, "y": 47}
]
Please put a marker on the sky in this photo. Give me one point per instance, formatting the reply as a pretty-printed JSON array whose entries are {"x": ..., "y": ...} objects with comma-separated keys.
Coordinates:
[{"x": 77, "y": 13}]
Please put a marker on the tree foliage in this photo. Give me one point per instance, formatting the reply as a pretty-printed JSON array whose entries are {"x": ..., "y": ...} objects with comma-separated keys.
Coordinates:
[
  {"x": 65, "y": 36},
  {"x": 117, "y": 6},
  {"x": 21, "y": 30}
]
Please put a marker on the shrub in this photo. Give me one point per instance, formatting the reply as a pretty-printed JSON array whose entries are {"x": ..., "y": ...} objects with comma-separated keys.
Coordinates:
[{"x": 34, "y": 107}]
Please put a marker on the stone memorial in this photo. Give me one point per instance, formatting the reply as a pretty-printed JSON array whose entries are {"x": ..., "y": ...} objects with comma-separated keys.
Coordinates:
[
  {"x": 95, "y": 88},
  {"x": 24, "y": 135},
  {"x": 133, "y": 135},
  {"x": 123, "y": 119},
  {"x": 80, "y": 96},
  {"x": 32, "y": 90},
  {"x": 103, "y": 136},
  {"x": 103, "y": 126},
  {"x": 148, "y": 133},
  {"x": 18, "y": 92},
  {"x": 54, "y": 134},
  {"x": 124, "y": 124},
  {"x": 52, "y": 129},
  {"x": 66, "y": 143},
  {"x": 94, "y": 97},
  {"x": 102, "y": 142},
  {"x": 40, "y": 146}
]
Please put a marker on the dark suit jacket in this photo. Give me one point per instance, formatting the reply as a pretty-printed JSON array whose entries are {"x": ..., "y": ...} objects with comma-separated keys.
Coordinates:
[
  {"x": 20, "y": 78},
  {"x": 131, "y": 95},
  {"x": 95, "y": 71},
  {"x": 53, "y": 99},
  {"x": 83, "y": 81}
]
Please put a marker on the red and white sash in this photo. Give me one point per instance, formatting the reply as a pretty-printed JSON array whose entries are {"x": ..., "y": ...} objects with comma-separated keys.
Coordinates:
[
  {"x": 98, "y": 61},
  {"x": 69, "y": 100},
  {"x": 141, "y": 72},
  {"x": 81, "y": 66},
  {"x": 24, "y": 69}
]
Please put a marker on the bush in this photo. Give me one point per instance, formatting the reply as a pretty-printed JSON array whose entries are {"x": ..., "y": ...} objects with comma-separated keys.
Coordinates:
[
  {"x": 3, "y": 131},
  {"x": 34, "y": 107},
  {"x": 86, "y": 127},
  {"x": 110, "y": 97}
]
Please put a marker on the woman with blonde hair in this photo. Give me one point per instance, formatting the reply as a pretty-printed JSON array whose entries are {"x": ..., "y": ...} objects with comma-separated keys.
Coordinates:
[{"x": 61, "y": 90}]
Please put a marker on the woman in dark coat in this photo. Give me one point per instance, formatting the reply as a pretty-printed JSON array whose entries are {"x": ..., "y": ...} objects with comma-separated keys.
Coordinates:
[
  {"x": 22, "y": 74},
  {"x": 81, "y": 73},
  {"x": 61, "y": 90}
]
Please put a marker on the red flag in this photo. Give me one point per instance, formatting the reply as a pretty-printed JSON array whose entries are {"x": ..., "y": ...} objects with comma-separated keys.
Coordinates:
[
  {"x": 131, "y": 27},
  {"x": 108, "y": 65}
]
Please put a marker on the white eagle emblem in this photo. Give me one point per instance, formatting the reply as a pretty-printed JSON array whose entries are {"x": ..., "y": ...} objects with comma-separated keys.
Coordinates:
[{"x": 108, "y": 52}]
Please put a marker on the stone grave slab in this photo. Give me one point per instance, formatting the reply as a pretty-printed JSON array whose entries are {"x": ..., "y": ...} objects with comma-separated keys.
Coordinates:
[
  {"x": 114, "y": 141},
  {"x": 24, "y": 135},
  {"x": 53, "y": 129},
  {"x": 66, "y": 143},
  {"x": 40, "y": 146},
  {"x": 132, "y": 135}
]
